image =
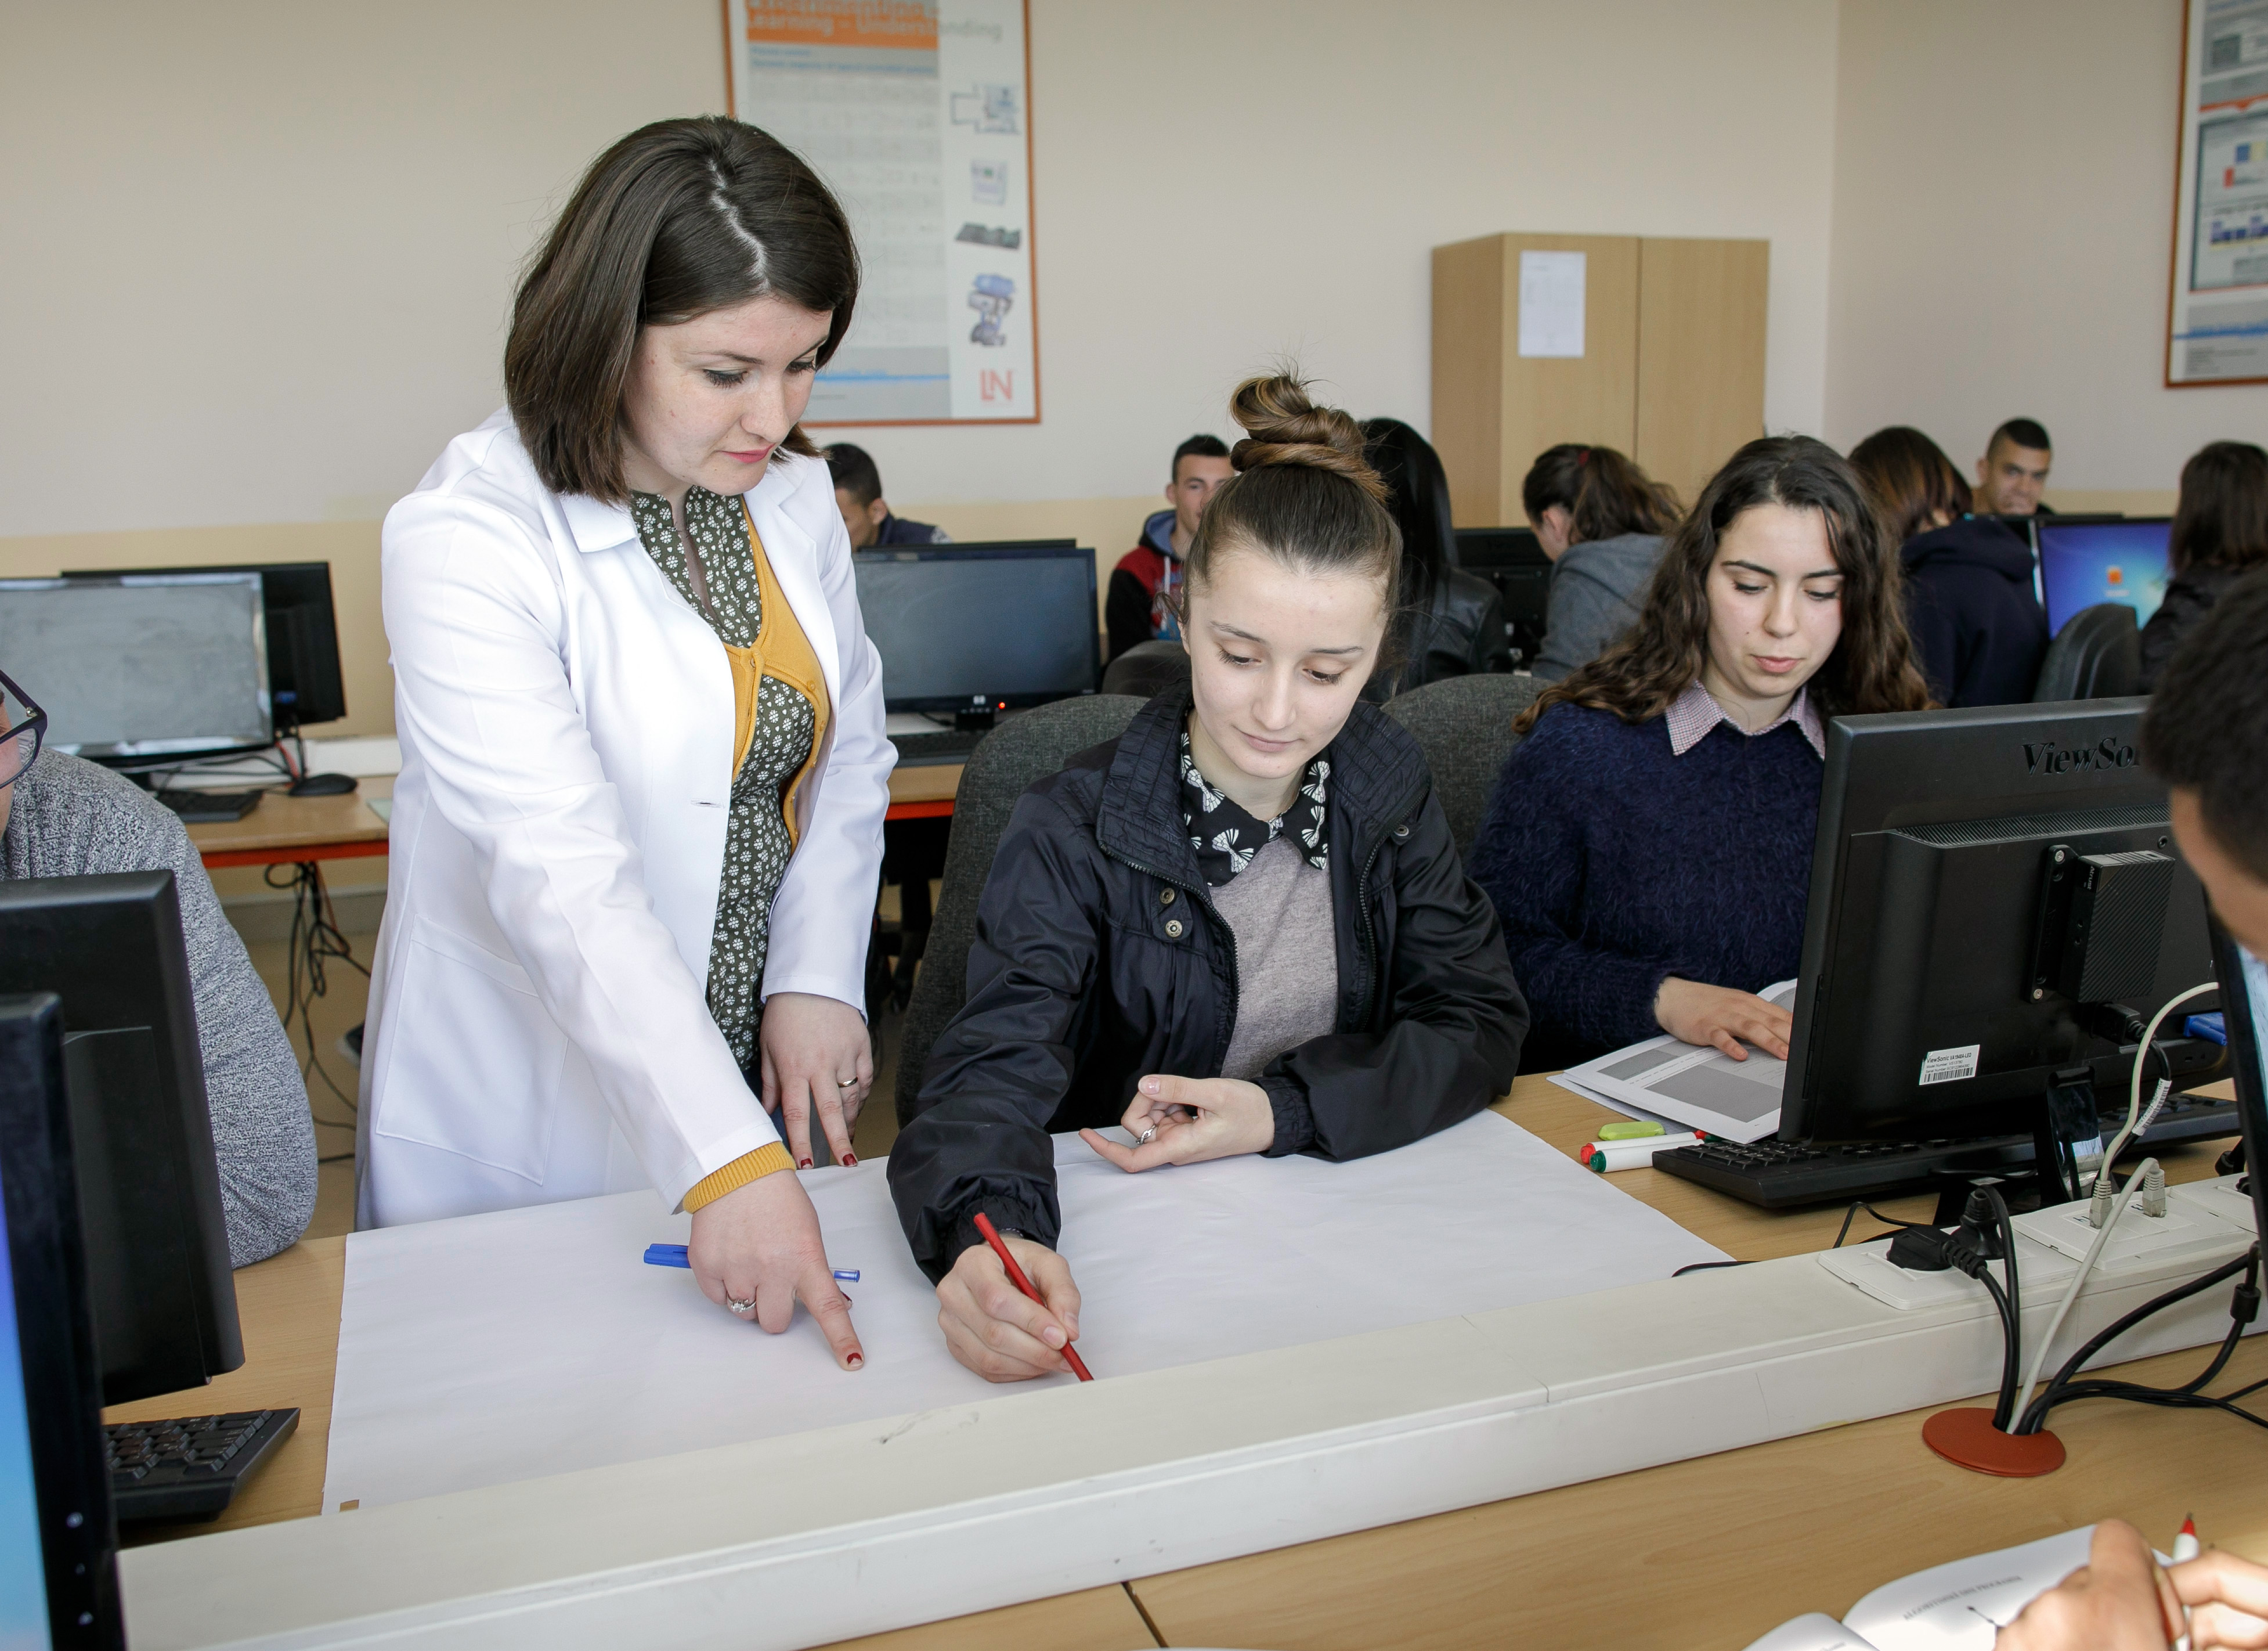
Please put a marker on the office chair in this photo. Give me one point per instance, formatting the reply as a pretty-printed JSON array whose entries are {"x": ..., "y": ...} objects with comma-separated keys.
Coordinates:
[
  {"x": 1146, "y": 669},
  {"x": 1464, "y": 724},
  {"x": 1005, "y": 762},
  {"x": 2096, "y": 655}
]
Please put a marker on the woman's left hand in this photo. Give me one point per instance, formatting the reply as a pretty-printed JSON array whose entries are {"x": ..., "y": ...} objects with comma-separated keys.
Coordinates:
[
  {"x": 809, "y": 1046},
  {"x": 1188, "y": 1120}
]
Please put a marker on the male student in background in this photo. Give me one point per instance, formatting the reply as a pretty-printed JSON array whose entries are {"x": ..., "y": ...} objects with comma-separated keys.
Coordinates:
[
  {"x": 1147, "y": 584},
  {"x": 865, "y": 512},
  {"x": 2013, "y": 470}
]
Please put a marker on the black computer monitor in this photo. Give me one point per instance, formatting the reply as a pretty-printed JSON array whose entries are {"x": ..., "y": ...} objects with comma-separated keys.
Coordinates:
[
  {"x": 1513, "y": 560},
  {"x": 163, "y": 1297},
  {"x": 1995, "y": 895},
  {"x": 305, "y": 683},
  {"x": 973, "y": 629},
  {"x": 58, "y": 1576},
  {"x": 2245, "y": 1017},
  {"x": 133, "y": 669},
  {"x": 2084, "y": 562}
]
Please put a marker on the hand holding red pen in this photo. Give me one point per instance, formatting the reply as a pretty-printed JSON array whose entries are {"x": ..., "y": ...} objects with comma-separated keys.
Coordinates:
[{"x": 995, "y": 1329}]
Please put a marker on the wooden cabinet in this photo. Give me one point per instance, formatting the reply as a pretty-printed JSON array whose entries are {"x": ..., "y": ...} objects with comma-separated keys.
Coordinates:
[{"x": 1672, "y": 369}]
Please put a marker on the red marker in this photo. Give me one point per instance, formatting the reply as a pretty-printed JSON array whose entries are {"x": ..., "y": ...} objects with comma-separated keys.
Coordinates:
[{"x": 1016, "y": 1277}]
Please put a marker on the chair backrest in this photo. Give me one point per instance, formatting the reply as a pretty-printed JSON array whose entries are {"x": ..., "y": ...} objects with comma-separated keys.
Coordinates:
[
  {"x": 1003, "y": 767},
  {"x": 1464, "y": 724},
  {"x": 1146, "y": 669},
  {"x": 2096, "y": 655}
]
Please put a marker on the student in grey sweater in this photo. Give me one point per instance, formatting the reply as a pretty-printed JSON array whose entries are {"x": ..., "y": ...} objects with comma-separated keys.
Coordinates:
[
  {"x": 1600, "y": 519},
  {"x": 66, "y": 818}
]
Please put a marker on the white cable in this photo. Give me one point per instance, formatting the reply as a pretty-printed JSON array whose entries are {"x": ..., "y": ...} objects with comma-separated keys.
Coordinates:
[{"x": 2103, "y": 1234}]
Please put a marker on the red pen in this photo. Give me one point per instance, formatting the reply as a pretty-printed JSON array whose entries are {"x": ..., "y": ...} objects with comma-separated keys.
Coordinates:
[{"x": 1016, "y": 1277}]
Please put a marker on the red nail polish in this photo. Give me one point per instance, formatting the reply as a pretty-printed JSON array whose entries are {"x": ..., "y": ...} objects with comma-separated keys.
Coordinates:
[
  {"x": 855, "y": 1360},
  {"x": 850, "y": 1161},
  {"x": 803, "y": 1163}
]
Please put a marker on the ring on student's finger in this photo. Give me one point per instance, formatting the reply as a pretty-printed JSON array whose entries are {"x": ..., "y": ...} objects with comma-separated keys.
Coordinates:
[
  {"x": 846, "y": 1083},
  {"x": 1148, "y": 1136},
  {"x": 734, "y": 1304}
]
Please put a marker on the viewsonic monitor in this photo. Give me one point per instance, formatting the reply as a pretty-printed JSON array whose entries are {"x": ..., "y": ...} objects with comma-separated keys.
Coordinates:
[{"x": 981, "y": 627}]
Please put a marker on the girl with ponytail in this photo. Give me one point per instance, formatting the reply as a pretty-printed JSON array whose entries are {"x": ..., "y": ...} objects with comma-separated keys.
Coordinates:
[
  {"x": 1242, "y": 926},
  {"x": 1601, "y": 520}
]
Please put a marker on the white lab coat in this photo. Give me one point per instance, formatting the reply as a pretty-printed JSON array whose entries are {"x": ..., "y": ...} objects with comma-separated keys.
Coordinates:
[{"x": 538, "y": 1028}]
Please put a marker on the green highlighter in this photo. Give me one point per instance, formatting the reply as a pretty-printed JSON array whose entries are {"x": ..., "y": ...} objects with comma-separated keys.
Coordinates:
[{"x": 1628, "y": 1130}]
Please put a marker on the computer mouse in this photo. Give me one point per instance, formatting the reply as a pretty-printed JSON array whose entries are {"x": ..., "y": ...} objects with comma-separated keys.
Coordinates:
[{"x": 324, "y": 786}]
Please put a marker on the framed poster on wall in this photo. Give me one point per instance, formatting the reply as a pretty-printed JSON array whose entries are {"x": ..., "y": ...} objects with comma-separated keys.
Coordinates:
[
  {"x": 918, "y": 113},
  {"x": 2218, "y": 329}
]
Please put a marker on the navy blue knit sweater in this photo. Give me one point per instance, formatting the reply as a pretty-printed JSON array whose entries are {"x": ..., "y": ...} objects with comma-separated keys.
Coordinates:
[{"x": 1615, "y": 864}]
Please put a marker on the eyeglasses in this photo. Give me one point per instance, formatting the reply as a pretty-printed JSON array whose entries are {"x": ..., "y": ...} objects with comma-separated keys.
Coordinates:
[{"x": 22, "y": 729}]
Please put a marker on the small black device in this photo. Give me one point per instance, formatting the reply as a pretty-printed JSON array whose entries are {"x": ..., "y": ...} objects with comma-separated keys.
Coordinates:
[
  {"x": 1513, "y": 560},
  {"x": 58, "y": 1543},
  {"x": 1995, "y": 906},
  {"x": 190, "y": 1467},
  {"x": 210, "y": 807},
  {"x": 159, "y": 1289},
  {"x": 138, "y": 670},
  {"x": 978, "y": 629}
]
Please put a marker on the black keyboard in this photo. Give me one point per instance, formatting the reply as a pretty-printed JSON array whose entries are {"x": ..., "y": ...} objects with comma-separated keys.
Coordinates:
[
  {"x": 1777, "y": 1175},
  {"x": 947, "y": 745},
  {"x": 207, "y": 808},
  {"x": 190, "y": 1467}
]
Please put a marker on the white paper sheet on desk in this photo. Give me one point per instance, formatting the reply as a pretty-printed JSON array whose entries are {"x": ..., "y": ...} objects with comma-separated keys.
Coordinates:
[
  {"x": 500, "y": 1348},
  {"x": 1694, "y": 1086}
]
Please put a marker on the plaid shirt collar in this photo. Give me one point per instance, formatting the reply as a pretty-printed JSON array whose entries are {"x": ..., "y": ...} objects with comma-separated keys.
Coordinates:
[{"x": 1693, "y": 713}]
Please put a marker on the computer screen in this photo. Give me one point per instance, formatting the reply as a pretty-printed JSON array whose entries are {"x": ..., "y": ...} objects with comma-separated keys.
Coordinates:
[
  {"x": 171, "y": 664},
  {"x": 305, "y": 683},
  {"x": 23, "y": 1584},
  {"x": 1513, "y": 560},
  {"x": 1985, "y": 884},
  {"x": 980, "y": 626},
  {"x": 2084, "y": 564},
  {"x": 158, "y": 1279}
]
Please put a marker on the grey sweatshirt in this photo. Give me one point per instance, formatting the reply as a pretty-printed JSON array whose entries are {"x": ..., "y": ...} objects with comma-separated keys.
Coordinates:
[
  {"x": 72, "y": 819},
  {"x": 1597, "y": 588}
]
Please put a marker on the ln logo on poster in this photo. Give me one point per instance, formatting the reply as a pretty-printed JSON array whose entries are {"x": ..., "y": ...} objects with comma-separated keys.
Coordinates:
[
  {"x": 918, "y": 114},
  {"x": 2219, "y": 330}
]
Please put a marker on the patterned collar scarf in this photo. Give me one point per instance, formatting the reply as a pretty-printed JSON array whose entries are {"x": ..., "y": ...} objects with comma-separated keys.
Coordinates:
[{"x": 1226, "y": 837}]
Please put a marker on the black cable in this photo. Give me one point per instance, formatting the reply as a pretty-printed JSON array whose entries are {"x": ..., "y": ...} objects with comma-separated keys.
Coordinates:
[
  {"x": 1888, "y": 1220},
  {"x": 1703, "y": 1266},
  {"x": 316, "y": 940},
  {"x": 2012, "y": 1364},
  {"x": 2064, "y": 1388}
]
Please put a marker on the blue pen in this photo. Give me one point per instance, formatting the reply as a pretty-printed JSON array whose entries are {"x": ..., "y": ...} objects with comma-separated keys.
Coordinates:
[{"x": 673, "y": 1256}]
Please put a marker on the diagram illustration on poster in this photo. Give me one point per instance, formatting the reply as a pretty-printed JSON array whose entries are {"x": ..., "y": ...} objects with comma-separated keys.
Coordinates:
[
  {"x": 918, "y": 113},
  {"x": 2218, "y": 331}
]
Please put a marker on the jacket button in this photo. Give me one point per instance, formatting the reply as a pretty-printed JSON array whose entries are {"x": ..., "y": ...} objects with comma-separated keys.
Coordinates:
[
  {"x": 1173, "y": 928},
  {"x": 1400, "y": 832},
  {"x": 1164, "y": 896}
]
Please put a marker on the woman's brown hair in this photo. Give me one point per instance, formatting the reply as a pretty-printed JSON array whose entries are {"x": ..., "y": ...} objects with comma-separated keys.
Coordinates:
[
  {"x": 679, "y": 218},
  {"x": 1303, "y": 491},
  {"x": 2222, "y": 517},
  {"x": 1911, "y": 479},
  {"x": 1604, "y": 494},
  {"x": 1872, "y": 666}
]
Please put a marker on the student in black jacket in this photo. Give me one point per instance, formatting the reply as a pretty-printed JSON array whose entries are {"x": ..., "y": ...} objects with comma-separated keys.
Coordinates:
[
  {"x": 1240, "y": 927},
  {"x": 1452, "y": 621},
  {"x": 1979, "y": 630},
  {"x": 2220, "y": 534}
]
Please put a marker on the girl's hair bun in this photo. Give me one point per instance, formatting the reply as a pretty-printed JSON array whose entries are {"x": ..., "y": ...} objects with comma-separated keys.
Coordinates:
[{"x": 1286, "y": 428}]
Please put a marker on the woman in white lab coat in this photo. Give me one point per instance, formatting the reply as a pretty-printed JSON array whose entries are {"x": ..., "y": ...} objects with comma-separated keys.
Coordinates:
[{"x": 638, "y": 827}]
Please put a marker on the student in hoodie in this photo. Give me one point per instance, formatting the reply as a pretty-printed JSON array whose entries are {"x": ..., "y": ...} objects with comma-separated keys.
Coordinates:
[
  {"x": 1147, "y": 584},
  {"x": 1600, "y": 519},
  {"x": 1242, "y": 926},
  {"x": 2220, "y": 534},
  {"x": 1977, "y": 627}
]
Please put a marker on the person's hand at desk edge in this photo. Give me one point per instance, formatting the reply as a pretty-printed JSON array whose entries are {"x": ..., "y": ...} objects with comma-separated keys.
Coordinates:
[
  {"x": 1719, "y": 1016},
  {"x": 2121, "y": 1601}
]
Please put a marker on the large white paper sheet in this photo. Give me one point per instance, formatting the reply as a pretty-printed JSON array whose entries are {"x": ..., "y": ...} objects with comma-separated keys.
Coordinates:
[
  {"x": 1695, "y": 1086},
  {"x": 500, "y": 1348}
]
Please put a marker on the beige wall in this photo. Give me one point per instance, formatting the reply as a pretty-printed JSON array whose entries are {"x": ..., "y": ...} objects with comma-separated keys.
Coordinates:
[
  {"x": 259, "y": 253},
  {"x": 2003, "y": 210}
]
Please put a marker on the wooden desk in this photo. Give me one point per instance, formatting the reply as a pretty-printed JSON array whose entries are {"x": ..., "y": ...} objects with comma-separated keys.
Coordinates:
[
  {"x": 1705, "y": 1553},
  {"x": 923, "y": 792}
]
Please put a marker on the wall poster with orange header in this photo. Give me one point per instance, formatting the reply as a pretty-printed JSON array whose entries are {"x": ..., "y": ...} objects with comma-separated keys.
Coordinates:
[{"x": 917, "y": 113}]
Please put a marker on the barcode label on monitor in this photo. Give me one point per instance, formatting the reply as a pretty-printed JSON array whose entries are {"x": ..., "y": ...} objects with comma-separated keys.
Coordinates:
[{"x": 1945, "y": 1066}]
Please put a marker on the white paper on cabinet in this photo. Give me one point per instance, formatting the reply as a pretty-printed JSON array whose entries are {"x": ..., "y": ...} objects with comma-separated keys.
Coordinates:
[
  {"x": 508, "y": 1346},
  {"x": 1551, "y": 303}
]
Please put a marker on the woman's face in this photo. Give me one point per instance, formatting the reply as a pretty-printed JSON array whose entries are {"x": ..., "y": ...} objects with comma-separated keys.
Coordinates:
[
  {"x": 1775, "y": 602},
  {"x": 1276, "y": 658},
  {"x": 710, "y": 399}
]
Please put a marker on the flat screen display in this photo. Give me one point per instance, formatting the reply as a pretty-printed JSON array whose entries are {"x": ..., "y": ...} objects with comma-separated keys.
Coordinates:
[
  {"x": 142, "y": 665},
  {"x": 2084, "y": 564},
  {"x": 23, "y": 1616},
  {"x": 961, "y": 625}
]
